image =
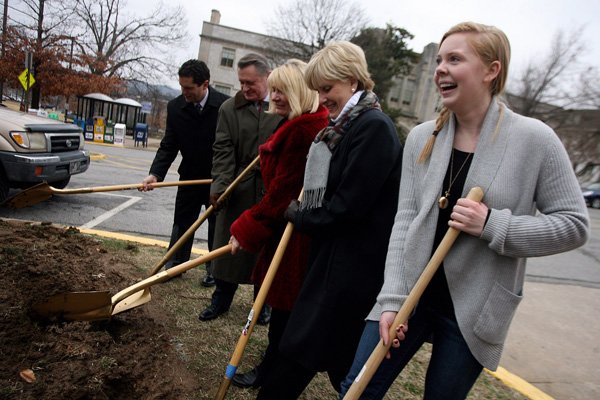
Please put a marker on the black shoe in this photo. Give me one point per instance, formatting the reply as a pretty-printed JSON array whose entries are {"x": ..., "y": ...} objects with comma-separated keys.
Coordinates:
[
  {"x": 208, "y": 280},
  {"x": 250, "y": 379},
  {"x": 265, "y": 315},
  {"x": 211, "y": 312}
]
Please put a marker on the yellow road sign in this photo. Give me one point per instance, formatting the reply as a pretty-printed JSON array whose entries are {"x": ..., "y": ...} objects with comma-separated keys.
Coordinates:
[{"x": 23, "y": 79}]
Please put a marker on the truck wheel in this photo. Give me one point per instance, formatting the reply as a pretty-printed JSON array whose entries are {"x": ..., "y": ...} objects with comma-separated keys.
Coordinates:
[
  {"x": 3, "y": 187},
  {"x": 61, "y": 184},
  {"x": 596, "y": 202}
]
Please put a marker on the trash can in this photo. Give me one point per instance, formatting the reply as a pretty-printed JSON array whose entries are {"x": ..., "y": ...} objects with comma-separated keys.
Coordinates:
[
  {"x": 89, "y": 129},
  {"x": 109, "y": 132},
  {"x": 99, "y": 129},
  {"x": 80, "y": 122},
  {"x": 141, "y": 134},
  {"x": 119, "y": 132}
]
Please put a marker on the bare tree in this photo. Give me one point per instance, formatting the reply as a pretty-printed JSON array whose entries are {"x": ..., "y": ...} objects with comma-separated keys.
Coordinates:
[
  {"x": 38, "y": 28},
  {"x": 589, "y": 88},
  {"x": 548, "y": 84},
  {"x": 113, "y": 43},
  {"x": 565, "y": 94},
  {"x": 308, "y": 25}
]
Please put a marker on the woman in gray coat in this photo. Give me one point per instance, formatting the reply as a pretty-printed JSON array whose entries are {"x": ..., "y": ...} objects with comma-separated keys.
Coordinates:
[{"x": 532, "y": 206}]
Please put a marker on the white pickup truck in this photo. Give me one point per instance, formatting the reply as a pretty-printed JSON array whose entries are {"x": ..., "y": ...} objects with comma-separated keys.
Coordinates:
[{"x": 35, "y": 149}]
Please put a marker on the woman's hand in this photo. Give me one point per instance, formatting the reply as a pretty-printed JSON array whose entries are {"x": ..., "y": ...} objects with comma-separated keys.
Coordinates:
[
  {"x": 235, "y": 245},
  {"x": 385, "y": 321},
  {"x": 468, "y": 216}
]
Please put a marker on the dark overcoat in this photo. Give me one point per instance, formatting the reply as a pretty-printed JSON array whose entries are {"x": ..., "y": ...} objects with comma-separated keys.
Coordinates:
[
  {"x": 350, "y": 234},
  {"x": 192, "y": 133},
  {"x": 259, "y": 229},
  {"x": 241, "y": 128}
]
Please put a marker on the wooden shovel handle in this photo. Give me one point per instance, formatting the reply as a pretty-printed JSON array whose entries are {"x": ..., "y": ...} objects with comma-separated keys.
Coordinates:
[
  {"x": 368, "y": 370},
  {"x": 192, "y": 229},
  {"x": 256, "y": 309},
  {"x": 114, "y": 188},
  {"x": 170, "y": 273}
]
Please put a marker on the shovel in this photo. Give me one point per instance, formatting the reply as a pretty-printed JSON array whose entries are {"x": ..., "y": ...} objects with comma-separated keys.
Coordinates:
[
  {"x": 192, "y": 229},
  {"x": 98, "y": 305},
  {"x": 256, "y": 308},
  {"x": 43, "y": 191},
  {"x": 143, "y": 296},
  {"x": 368, "y": 370}
]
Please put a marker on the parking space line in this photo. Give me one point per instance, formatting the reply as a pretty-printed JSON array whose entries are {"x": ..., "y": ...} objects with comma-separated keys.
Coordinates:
[{"x": 110, "y": 213}]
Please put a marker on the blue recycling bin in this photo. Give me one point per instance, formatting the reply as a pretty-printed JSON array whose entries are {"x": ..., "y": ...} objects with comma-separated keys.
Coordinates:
[
  {"x": 140, "y": 134},
  {"x": 89, "y": 129},
  {"x": 80, "y": 122}
]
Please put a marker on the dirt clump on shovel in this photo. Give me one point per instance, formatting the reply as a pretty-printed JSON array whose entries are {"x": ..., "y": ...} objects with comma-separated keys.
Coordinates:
[{"x": 129, "y": 357}]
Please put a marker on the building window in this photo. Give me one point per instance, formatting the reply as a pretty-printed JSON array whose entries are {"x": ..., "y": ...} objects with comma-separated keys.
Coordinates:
[
  {"x": 223, "y": 89},
  {"x": 409, "y": 92},
  {"x": 227, "y": 57}
]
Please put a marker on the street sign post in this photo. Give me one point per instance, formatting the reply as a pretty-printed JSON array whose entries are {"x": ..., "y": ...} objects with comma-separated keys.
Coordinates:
[{"x": 27, "y": 80}]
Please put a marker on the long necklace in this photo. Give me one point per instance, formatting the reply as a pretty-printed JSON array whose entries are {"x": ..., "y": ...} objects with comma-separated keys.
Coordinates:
[{"x": 443, "y": 201}]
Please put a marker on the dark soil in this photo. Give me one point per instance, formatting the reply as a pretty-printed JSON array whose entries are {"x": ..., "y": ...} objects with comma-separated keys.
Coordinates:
[{"x": 130, "y": 357}]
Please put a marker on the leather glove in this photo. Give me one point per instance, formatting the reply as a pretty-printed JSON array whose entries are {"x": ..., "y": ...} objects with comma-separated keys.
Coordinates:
[{"x": 291, "y": 211}]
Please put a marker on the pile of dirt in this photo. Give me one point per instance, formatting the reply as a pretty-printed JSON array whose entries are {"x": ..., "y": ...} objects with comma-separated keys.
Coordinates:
[{"x": 130, "y": 357}]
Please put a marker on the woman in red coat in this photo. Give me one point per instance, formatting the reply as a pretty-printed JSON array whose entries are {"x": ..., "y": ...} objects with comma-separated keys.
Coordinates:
[{"x": 259, "y": 229}]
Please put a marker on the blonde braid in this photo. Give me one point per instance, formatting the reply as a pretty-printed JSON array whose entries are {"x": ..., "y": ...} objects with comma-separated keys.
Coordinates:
[{"x": 439, "y": 124}]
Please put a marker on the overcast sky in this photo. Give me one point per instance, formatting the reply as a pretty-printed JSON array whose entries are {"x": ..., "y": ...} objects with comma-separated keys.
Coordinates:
[{"x": 529, "y": 24}]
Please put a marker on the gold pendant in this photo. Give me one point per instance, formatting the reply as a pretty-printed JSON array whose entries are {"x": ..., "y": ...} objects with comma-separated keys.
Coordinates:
[{"x": 443, "y": 202}]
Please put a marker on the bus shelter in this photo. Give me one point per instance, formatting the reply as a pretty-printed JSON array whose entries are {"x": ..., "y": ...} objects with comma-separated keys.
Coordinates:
[{"x": 95, "y": 107}]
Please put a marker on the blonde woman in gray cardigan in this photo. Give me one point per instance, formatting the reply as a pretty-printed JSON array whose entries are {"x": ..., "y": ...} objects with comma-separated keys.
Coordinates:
[{"x": 532, "y": 207}]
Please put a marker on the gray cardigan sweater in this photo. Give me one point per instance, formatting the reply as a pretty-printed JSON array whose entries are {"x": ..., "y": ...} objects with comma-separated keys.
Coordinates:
[{"x": 522, "y": 167}]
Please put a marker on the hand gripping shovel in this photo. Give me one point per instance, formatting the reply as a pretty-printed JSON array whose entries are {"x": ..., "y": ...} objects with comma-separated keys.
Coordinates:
[
  {"x": 256, "y": 308},
  {"x": 368, "y": 370},
  {"x": 90, "y": 306},
  {"x": 43, "y": 191}
]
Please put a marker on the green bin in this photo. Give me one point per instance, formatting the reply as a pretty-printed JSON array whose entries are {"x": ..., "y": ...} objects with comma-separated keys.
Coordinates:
[{"x": 109, "y": 132}]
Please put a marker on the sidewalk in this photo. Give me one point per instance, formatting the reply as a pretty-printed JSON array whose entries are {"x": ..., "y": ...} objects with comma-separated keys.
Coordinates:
[{"x": 554, "y": 341}]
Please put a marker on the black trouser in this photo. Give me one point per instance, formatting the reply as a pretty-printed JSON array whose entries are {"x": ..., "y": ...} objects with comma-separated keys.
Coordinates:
[
  {"x": 188, "y": 204},
  {"x": 279, "y": 319},
  {"x": 222, "y": 296},
  {"x": 287, "y": 379}
]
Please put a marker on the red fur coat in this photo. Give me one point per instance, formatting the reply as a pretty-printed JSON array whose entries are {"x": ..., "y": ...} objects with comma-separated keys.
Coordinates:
[{"x": 259, "y": 229}]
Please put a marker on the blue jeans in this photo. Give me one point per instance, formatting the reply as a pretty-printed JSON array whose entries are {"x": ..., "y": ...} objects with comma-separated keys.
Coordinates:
[{"x": 452, "y": 369}]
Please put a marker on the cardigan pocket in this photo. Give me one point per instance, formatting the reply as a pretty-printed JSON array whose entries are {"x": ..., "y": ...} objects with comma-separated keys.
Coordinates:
[{"x": 498, "y": 311}]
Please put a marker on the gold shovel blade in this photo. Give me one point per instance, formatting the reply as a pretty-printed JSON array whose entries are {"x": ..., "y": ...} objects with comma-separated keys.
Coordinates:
[
  {"x": 30, "y": 196},
  {"x": 76, "y": 306},
  {"x": 135, "y": 300}
]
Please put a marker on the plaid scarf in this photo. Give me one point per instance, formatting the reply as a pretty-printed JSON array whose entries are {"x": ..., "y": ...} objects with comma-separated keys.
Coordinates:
[{"x": 319, "y": 154}]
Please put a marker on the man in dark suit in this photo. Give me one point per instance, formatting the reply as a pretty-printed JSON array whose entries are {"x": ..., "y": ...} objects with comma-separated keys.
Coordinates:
[{"x": 191, "y": 126}]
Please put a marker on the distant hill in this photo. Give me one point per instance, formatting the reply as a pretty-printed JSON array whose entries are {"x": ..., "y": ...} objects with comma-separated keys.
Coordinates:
[{"x": 138, "y": 88}]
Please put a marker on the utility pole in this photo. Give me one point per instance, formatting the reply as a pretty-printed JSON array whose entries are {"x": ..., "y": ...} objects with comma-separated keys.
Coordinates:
[
  {"x": 70, "y": 64},
  {"x": 4, "y": 19}
]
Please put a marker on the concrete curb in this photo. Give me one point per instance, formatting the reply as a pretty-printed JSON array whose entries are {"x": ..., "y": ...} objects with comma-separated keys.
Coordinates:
[{"x": 519, "y": 384}]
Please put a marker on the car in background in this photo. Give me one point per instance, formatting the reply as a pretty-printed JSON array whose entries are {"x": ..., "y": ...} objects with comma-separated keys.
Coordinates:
[
  {"x": 591, "y": 194},
  {"x": 35, "y": 149}
]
